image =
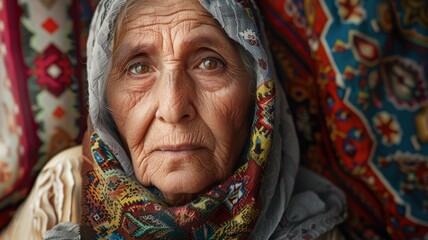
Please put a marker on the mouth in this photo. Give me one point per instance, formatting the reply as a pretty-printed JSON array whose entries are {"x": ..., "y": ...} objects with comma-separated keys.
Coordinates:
[{"x": 179, "y": 148}]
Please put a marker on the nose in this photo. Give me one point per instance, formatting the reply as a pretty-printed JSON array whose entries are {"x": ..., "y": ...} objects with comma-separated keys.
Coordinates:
[{"x": 175, "y": 99}]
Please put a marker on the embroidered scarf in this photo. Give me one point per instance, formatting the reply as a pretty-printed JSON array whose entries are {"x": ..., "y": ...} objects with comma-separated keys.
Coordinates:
[{"x": 116, "y": 206}]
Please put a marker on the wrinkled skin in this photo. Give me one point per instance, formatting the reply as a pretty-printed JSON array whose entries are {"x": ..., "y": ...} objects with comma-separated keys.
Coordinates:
[{"x": 180, "y": 97}]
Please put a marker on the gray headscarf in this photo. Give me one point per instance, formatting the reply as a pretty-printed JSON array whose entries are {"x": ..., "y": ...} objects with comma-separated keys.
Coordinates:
[{"x": 296, "y": 203}]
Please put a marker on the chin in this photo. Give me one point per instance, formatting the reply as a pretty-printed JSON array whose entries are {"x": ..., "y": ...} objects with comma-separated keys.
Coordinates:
[
  {"x": 178, "y": 200},
  {"x": 178, "y": 190}
]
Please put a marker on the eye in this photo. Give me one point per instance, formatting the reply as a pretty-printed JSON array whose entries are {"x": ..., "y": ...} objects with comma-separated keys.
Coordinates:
[
  {"x": 211, "y": 63},
  {"x": 139, "y": 69}
]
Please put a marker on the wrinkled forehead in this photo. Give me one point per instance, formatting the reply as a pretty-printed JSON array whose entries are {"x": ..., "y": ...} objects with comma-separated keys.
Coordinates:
[
  {"x": 151, "y": 12},
  {"x": 137, "y": 19}
]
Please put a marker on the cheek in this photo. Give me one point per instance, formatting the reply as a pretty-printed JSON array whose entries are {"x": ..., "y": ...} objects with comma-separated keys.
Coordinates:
[
  {"x": 240, "y": 97},
  {"x": 229, "y": 121},
  {"x": 123, "y": 104},
  {"x": 238, "y": 105},
  {"x": 233, "y": 114},
  {"x": 114, "y": 100}
]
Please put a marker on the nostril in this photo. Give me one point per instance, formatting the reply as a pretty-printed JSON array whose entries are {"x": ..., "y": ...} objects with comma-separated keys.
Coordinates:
[{"x": 186, "y": 118}]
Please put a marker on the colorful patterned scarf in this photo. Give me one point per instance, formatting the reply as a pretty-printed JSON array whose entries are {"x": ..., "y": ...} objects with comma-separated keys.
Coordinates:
[{"x": 116, "y": 206}]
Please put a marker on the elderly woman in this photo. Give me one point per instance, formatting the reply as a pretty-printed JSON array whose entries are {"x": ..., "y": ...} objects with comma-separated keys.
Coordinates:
[{"x": 189, "y": 137}]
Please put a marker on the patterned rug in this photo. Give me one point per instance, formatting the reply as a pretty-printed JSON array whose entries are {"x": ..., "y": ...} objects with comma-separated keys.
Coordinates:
[{"x": 356, "y": 74}]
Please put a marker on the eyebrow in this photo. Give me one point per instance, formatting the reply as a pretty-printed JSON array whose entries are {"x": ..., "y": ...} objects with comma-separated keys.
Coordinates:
[
  {"x": 206, "y": 41},
  {"x": 123, "y": 53}
]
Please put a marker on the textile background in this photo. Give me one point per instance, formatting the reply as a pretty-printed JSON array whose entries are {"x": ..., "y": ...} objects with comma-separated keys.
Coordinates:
[
  {"x": 356, "y": 75},
  {"x": 42, "y": 89}
]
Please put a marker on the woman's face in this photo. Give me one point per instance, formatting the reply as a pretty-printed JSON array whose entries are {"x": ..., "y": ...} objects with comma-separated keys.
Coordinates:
[{"x": 180, "y": 97}]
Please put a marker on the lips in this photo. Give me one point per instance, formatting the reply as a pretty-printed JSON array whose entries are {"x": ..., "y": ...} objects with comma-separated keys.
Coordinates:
[
  {"x": 179, "y": 148},
  {"x": 179, "y": 152}
]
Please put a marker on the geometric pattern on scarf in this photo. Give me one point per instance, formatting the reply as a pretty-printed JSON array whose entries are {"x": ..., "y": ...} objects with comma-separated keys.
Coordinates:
[{"x": 117, "y": 206}]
